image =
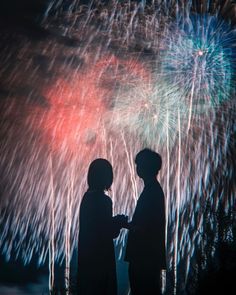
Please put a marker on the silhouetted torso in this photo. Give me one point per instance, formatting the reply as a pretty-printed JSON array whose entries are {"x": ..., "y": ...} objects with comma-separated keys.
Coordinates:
[
  {"x": 148, "y": 241},
  {"x": 96, "y": 258},
  {"x": 145, "y": 250}
]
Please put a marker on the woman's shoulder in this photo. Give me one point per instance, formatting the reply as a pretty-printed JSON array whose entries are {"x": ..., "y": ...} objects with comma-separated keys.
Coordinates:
[
  {"x": 107, "y": 198},
  {"x": 97, "y": 196},
  {"x": 105, "y": 201}
]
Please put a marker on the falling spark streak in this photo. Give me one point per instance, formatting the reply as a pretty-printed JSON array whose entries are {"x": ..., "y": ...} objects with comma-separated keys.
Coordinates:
[
  {"x": 52, "y": 236},
  {"x": 70, "y": 193},
  {"x": 163, "y": 273},
  {"x": 131, "y": 169},
  {"x": 167, "y": 181},
  {"x": 192, "y": 93},
  {"x": 176, "y": 258},
  {"x": 112, "y": 163}
]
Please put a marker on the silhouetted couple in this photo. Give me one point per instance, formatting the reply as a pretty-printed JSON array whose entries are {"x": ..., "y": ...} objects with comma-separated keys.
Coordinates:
[{"x": 145, "y": 250}]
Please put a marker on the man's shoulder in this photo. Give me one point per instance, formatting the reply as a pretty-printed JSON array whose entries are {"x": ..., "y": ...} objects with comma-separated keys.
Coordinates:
[{"x": 154, "y": 189}]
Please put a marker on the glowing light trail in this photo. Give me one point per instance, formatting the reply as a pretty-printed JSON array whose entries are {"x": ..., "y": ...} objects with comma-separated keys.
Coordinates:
[{"x": 52, "y": 235}]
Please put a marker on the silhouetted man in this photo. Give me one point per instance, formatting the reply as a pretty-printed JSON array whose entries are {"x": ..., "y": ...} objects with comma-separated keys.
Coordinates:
[{"x": 145, "y": 250}]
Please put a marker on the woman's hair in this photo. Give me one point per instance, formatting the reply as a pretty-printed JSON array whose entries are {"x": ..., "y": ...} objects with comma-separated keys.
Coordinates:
[{"x": 100, "y": 175}]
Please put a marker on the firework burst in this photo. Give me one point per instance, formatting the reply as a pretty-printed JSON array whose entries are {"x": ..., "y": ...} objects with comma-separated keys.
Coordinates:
[
  {"x": 155, "y": 108},
  {"x": 199, "y": 60}
]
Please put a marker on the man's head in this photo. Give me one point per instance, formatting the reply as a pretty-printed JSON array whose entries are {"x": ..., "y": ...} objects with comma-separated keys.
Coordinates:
[
  {"x": 100, "y": 175},
  {"x": 148, "y": 163}
]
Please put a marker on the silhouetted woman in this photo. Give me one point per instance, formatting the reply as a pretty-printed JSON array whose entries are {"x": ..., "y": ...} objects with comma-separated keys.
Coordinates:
[{"x": 98, "y": 228}]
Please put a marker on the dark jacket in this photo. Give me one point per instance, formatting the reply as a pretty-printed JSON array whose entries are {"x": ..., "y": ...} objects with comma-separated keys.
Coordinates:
[
  {"x": 96, "y": 257},
  {"x": 146, "y": 238}
]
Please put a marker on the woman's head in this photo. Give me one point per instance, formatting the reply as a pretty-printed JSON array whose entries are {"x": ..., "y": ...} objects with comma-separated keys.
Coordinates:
[{"x": 100, "y": 175}]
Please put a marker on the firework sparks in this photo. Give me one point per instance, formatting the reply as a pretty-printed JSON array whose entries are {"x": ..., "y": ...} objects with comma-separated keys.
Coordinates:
[{"x": 138, "y": 76}]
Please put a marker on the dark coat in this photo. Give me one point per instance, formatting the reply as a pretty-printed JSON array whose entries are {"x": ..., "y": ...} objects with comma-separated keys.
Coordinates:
[
  {"x": 146, "y": 238},
  {"x": 96, "y": 257}
]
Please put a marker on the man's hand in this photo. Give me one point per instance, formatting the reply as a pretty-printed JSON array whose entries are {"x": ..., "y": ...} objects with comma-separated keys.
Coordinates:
[{"x": 121, "y": 220}]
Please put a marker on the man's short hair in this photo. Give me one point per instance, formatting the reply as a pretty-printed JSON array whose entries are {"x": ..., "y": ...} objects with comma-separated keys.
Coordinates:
[{"x": 149, "y": 160}]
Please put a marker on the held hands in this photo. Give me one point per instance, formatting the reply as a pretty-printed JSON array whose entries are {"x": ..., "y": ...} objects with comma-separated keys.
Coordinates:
[{"x": 121, "y": 220}]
